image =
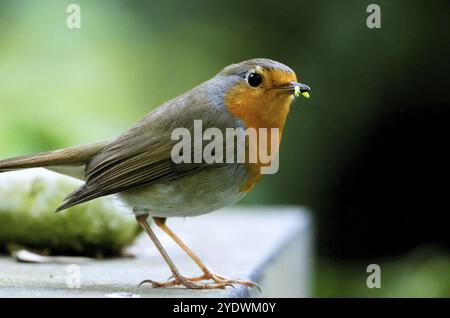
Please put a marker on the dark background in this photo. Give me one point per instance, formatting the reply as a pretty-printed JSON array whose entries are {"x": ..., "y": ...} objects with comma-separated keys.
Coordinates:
[{"x": 367, "y": 153}]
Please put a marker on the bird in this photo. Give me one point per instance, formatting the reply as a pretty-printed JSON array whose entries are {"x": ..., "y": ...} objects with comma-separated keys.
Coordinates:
[{"x": 138, "y": 167}]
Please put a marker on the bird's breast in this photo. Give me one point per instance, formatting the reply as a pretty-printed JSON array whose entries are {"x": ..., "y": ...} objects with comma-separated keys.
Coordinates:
[{"x": 258, "y": 112}]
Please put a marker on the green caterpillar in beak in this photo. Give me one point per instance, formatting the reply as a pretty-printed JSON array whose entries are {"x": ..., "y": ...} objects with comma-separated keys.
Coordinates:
[{"x": 298, "y": 92}]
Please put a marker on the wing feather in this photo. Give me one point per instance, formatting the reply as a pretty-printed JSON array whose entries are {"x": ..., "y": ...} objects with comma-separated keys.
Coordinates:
[{"x": 142, "y": 155}]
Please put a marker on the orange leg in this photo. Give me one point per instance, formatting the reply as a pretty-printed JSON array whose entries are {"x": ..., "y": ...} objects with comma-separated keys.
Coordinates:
[
  {"x": 178, "y": 279},
  {"x": 207, "y": 274}
]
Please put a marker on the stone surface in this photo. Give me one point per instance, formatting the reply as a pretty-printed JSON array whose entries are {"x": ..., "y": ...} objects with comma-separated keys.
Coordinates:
[{"x": 271, "y": 246}]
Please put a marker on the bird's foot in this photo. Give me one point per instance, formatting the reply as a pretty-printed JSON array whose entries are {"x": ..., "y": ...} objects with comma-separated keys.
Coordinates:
[
  {"x": 186, "y": 282},
  {"x": 220, "y": 280}
]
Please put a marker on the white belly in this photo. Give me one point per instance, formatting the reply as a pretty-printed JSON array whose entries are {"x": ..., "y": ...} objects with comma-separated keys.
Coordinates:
[{"x": 192, "y": 195}]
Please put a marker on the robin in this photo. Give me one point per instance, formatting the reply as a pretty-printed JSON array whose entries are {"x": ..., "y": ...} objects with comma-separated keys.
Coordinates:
[{"x": 138, "y": 167}]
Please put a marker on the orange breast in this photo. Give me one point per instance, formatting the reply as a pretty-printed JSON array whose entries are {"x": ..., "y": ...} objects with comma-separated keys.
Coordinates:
[{"x": 259, "y": 108}]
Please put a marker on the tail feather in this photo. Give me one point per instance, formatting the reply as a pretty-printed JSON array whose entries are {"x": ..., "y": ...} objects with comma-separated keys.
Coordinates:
[
  {"x": 69, "y": 200},
  {"x": 74, "y": 156}
]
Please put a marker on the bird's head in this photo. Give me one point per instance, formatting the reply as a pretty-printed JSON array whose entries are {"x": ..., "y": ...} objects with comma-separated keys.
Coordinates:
[{"x": 261, "y": 92}]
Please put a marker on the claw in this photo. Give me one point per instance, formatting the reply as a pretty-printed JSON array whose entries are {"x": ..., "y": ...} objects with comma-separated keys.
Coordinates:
[
  {"x": 183, "y": 281},
  {"x": 222, "y": 281},
  {"x": 191, "y": 283},
  {"x": 148, "y": 281}
]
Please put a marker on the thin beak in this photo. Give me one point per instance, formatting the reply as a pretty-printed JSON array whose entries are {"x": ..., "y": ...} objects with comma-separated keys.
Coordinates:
[{"x": 297, "y": 89}]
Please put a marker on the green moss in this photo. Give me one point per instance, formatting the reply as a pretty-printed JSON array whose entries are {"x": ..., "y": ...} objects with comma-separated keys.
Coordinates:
[{"x": 27, "y": 218}]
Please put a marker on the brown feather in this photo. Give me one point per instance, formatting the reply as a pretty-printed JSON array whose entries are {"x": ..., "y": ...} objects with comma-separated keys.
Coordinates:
[
  {"x": 73, "y": 156},
  {"x": 142, "y": 155}
]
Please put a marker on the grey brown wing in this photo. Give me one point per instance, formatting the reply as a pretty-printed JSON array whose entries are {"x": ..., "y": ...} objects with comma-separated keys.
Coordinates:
[
  {"x": 142, "y": 155},
  {"x": 118, "y": 171}
]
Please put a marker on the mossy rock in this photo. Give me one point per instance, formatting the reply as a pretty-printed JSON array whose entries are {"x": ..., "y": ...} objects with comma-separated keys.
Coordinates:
[{"x": 27, "y": 217}]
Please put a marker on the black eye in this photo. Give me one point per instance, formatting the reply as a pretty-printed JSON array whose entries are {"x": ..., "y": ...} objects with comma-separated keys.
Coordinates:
[{"x": 254, "y": 80}]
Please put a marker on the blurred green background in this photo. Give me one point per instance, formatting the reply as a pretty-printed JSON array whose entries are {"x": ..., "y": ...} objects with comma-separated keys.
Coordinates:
[{"x": 360, "y": 153}]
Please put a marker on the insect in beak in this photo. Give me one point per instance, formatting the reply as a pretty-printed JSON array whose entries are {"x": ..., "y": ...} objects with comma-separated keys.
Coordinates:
[{"x": 297, "y": 89}]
